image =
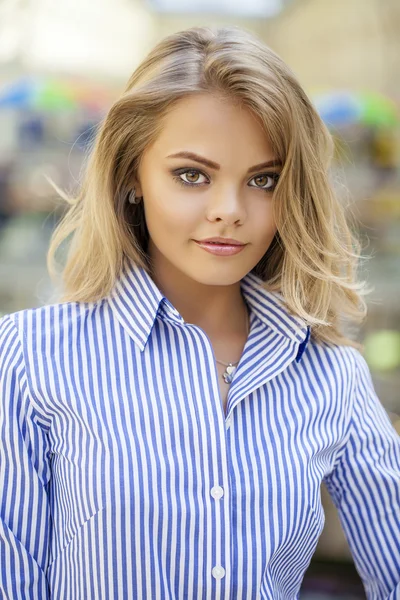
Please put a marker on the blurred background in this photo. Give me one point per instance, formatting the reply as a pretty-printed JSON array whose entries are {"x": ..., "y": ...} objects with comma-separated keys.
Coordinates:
[{"x": 63, "y": 63}]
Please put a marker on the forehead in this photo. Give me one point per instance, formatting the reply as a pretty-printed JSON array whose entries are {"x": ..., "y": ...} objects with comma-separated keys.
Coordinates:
[{"x": 210, "y": 124}]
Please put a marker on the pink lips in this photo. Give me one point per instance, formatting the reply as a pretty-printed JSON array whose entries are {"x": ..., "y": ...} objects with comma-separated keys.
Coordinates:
[{"x": 220, "y": 249}]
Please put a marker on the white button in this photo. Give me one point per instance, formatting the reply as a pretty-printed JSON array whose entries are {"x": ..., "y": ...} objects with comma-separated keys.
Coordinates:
[
  {"x": 217, "y": 492},
  {"x": 218, "y": 572},
  {"x": 228, "y": 422}
]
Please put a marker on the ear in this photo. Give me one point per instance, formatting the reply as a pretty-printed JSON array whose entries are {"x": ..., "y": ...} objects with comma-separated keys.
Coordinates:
[{"x": 136, "y": 184}]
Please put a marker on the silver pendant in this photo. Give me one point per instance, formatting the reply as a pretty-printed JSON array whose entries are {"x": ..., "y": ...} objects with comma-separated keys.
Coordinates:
[{"x": 229, "y": 373}]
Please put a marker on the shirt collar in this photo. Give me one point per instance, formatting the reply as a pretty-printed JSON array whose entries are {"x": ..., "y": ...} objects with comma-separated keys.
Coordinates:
[{"x": 136, "y": 301}]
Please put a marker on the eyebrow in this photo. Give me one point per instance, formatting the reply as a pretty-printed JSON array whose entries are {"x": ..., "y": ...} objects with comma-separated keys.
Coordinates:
[{"x": 213, "y": 165}]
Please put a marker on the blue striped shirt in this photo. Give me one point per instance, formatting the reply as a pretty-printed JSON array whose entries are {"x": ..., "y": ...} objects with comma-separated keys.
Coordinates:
[{"x": 121, "y": 477}]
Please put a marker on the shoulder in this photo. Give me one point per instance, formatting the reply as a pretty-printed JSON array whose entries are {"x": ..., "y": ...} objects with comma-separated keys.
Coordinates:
[
  {"x": 341, "y": 359},
  {"x": 333, "y": 366},
  {"x": 33, "y": 325}
]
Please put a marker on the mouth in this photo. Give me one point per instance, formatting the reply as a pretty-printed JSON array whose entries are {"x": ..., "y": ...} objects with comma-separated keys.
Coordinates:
[
  {"x": 219, "y": 248},
  {"x": 221, "y": 241}
]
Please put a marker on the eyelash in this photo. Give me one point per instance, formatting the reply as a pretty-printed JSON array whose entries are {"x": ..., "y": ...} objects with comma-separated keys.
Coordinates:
[{"x": 274, "y": 176}]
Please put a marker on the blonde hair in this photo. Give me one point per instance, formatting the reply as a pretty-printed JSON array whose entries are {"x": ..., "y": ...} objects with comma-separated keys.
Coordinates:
[{"x": 312, "y": 261}]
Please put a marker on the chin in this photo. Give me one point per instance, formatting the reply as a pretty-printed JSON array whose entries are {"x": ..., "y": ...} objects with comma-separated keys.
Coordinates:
[{"x": 218, "y": 275}]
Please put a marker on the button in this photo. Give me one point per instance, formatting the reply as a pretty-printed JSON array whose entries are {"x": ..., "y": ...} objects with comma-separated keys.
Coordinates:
[
  {"x": 217, "y": 492},
  {"x": 228, "y": 422},
  {"x": 218, "y": 572}
]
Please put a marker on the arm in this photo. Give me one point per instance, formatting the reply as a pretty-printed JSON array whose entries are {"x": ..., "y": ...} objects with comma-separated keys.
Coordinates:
[
  {"x": 24, "y": 473},
  {"x": 365, "y": 488}
]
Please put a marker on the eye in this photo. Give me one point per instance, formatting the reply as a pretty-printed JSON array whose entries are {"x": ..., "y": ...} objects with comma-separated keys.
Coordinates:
[
  {"x": 266, "y": 181},
  {"x": 193, "y": 177}
]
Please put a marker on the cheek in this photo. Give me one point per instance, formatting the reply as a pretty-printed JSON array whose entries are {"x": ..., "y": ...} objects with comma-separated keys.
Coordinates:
[
  {"x": 171, "y": 212},
  {"x": 263, "y": 223}
]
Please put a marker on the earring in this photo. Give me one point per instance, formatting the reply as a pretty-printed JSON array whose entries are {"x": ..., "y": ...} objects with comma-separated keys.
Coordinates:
[{"x": 132, "y": 197}]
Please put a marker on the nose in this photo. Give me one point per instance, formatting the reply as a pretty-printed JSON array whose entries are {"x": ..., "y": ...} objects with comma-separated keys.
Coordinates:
[{"x": 226, "y": 206}]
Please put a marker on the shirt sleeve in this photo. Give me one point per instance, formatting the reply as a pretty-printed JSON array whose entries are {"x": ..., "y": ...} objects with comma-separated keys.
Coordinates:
[
  {"x": 24, "y": 473},
  {"x": 365, "y": 488}
]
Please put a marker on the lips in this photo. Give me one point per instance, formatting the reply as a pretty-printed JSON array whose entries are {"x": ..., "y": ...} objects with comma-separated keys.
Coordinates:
[
  {"x": 220, "y": 249},
  {"x": 221, "y": 241}
]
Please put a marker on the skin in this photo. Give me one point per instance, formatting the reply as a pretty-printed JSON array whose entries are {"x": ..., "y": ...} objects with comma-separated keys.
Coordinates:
[{"x": 229, "y": 202}]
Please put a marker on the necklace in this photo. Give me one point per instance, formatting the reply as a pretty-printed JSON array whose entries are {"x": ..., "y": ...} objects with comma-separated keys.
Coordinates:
[{"x": 231, "y": 367}]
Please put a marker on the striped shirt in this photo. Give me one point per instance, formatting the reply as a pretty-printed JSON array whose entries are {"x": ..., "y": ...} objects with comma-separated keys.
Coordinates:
[{"x": 121, "y": 476}]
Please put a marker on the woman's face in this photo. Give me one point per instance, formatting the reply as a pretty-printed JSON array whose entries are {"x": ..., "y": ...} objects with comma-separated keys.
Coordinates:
[{"x": 187, "y": 200}]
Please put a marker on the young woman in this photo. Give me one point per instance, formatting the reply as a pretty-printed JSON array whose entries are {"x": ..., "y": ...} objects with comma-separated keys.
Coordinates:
[{"x": 166, "y": 425}]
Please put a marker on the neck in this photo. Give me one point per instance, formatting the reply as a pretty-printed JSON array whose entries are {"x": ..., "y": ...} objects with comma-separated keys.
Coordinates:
[{"x": 219, "y": 310}]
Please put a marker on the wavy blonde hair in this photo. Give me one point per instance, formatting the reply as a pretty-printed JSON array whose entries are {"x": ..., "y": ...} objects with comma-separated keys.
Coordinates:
[{"x": 312, "y": 261}]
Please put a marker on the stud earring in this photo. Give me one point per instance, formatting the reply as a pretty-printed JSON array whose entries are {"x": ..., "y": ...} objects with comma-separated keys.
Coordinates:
[{"x": 132, "y": 199}]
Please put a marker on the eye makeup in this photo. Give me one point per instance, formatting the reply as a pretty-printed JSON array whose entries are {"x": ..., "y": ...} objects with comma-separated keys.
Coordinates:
[{"x": 178, "y": 172}]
